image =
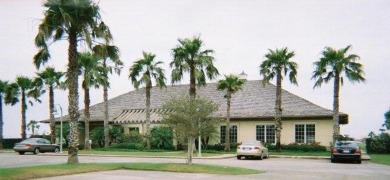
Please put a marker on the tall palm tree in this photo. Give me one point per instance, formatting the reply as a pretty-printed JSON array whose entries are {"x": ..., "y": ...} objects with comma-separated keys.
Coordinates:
[
  {"x": 387, "y": 120},
  {"x": 91, "y": 68},
  {"x": 111, "y": 62},
  {"x": 51, "y": 78},
  {"x": 20, "y": 91},
  {"x": 332, "y": 65},
  {"x": 142, "y": 72},
  {"x": 3, "y": 86},
  {"x": 231, "y": 84},
  {"x": 276, "y": 64},
  {"x": 75, "y": 21},
  {"x": 33, "y": 125},
  {"x": 188, "y": 57}
]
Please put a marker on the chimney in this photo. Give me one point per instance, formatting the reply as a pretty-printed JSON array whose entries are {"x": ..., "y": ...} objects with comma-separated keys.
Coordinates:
[{"x": 242, "y": 76}]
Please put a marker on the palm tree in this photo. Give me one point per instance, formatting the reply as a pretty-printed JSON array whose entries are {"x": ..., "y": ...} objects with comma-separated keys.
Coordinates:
[
  {"x": 142, "y": 72},
  {"x": 33, "y": 124},
  {"x": 3, "y": 86},
  {"x": 111, "y": 62},
  {"x": 276, "y": 64},
  {"x": 387, "y": 120},
  {"x": 76, "y": 21},
  {"x": 188, "y": 57},
  {"x": 231, "y": 84},
  {"x": 51, "y": 78},
  {"x": 91, "y": 68},
  {"x": 20, "y": 90},
  {"x": 332, "y": 65}
]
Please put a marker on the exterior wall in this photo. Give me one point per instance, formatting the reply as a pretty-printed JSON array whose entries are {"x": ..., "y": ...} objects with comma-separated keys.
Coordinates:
[
  {"x": 141, "y": 127},
  {"x": 246, "y": 130}
]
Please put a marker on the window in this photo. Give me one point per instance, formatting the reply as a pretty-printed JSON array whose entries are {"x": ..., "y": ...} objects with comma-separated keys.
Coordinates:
[
  {"x": 134, "y": 129},
  {"x": 265, "y": 133},
  {"x": 232, "y": 132},
  {"x": 305, "y": 133}
]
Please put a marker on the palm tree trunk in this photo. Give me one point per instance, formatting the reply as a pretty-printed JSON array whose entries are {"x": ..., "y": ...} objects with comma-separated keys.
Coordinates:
[
  {"x": 192, "y": 80},
  {"x": 336, "y": 90},
  {"x": 227, "y": 135},
  {"x": 52, "y": 122},
  {"x": 73, "y": 97},
  {"x": 278, "y": 111},
  {"x": 23, "y": 109},
  {"x": 1, "y": 121},
  {"x": 105, "y": 99},
  {"x": 86, "y": 114},
  {"x": 148, "y": 87}
]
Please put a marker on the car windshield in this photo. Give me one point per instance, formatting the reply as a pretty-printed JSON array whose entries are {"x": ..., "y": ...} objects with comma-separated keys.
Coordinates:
[{"x": 346, "y": 144}]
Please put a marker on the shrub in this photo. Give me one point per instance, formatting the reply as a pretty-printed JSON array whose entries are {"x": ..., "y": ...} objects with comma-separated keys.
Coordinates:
[
  {"x": 314, "y": 147},
  {"x": 378, "y": 144},
  {"x": 10, "y": 143},
  {"x": 128, "y": 145},
  {"x": 162, "y": 138}
]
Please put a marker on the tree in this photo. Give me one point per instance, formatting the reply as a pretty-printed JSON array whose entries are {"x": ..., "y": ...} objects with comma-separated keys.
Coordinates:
[
  {"x": 276, "y": 64},
  {"x": 33, "y": 125},
  {"x": 387, "y": 120},
  {"x": 91, "y": 69},
  {"x": 190, "y": 117},
  {"x": 332, "y": 65},
  {"x": 3, "y": 86},
  {"x": 188, "y": 57},
  {"x": 111, "y": 62},
  {"x": 21, "y": 90},
  {"x": 231, "y": 84},
  {"x": 51, "y": 78},
  {"x": 75, "y": 21},
  {"x": 142, "y": 72}
]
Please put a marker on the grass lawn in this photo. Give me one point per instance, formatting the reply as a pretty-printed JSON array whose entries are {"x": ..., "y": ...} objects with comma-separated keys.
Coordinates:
[
  {"x": 299, "y": 153},
  {"x": 68, "y": 169},
  {"x": 149, "y": 153},
  {"x": 380, "y": 158}
]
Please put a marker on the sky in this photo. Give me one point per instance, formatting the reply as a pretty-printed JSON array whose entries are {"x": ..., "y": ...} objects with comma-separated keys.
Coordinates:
[{"x": 240, "y": 33}]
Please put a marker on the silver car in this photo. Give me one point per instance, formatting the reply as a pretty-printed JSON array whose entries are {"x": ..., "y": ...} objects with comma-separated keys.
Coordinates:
[
  {"x": 36, "y": 145},
  {"x": 252, "y": 149}
]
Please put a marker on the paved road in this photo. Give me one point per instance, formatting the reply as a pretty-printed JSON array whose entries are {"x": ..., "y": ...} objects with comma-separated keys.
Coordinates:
[{"x": 275, "y": 168}]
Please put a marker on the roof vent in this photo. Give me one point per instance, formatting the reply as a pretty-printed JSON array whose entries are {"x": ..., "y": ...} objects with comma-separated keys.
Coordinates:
[{"x": 243, "y": 76}]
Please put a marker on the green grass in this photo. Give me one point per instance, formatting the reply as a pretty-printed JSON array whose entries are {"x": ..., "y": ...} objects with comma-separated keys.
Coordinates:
[
  {"x": 147, "y": 153},
  {"x": 380, "y": 158},
  {"x": 299, "y": 153},
  {"x": 68, "y": 169}
]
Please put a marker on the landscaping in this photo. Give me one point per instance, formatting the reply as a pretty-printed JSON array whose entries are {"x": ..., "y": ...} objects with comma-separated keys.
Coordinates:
[{"x": 68, "y": 169}]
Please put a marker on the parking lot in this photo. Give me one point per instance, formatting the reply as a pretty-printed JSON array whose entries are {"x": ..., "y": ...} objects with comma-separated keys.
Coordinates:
[{"x": 275, "y": 168}]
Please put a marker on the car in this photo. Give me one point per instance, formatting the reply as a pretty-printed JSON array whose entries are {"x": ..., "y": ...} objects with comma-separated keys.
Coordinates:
[
  {"x": 36, "y": 146},
  {"x": 346, "y": 150},
  {"x": 252, "y": 149}
]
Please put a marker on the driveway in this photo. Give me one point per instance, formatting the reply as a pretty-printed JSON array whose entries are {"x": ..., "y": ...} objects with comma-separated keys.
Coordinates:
[{"x": 275, "y": 168}]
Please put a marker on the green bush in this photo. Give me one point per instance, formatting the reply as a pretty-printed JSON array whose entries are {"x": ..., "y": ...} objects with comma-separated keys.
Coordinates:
[
  {"x": 162, "y": 138},
  {"x": 10, "y": 143},
  {"x": 221, "y": 147},
  {"x": 128, "y": 145},
  {"x": 314, "y": 147},
  {"x": 378, "y": 144}
]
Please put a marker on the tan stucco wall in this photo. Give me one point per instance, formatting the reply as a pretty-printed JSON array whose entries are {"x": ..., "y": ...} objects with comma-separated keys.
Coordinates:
[{"x": 246, "y": 130}]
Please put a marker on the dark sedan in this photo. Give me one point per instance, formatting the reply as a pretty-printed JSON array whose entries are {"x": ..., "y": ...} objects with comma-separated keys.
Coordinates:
[
  {"x": 346, "y": 150},
  {"x": 36, "y": 146}
]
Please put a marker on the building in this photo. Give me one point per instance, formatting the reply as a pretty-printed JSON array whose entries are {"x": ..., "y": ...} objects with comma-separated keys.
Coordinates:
[{"x": 252, "y": 113}]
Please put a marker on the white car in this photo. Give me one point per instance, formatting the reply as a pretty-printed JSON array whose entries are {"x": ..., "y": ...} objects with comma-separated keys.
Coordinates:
[{"x": 252, "y": 149}]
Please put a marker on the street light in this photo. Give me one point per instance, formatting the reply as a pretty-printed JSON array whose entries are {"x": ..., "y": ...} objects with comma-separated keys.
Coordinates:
[{"x": 56, "y": 113}]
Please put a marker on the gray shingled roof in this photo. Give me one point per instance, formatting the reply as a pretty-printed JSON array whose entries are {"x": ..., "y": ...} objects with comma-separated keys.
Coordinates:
[{"x": 254, "y": 101}]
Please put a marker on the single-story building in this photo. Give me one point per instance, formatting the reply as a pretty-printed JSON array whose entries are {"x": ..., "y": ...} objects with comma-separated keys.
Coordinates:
[{"x": 252, "y": 113}]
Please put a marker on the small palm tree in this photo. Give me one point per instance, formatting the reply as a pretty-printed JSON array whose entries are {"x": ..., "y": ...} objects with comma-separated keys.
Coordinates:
[
  {"x": 76, "y": 21},
  {"x": 142, "y": 72},
  {"x": 231, "y": 84},
  {"x": 33, "y": 125},
  {"x": 111, "y": 62},
  {"x": 276, "y": 64},
  {"x": 20, "y": 90},
  {"x": 3, "y": 86},
  {"x": 51, "y": 78},
  {"x": 332, "y": 65},
  {"x": 188, "y": 57},
  {"x": 91, "y": 68},
  {"x": 387, "y": 120}
]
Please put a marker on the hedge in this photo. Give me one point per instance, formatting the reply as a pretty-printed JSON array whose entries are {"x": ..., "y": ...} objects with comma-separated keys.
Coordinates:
[
  {"x": 378, "y": 144},
  {"x": 299, "y": 147},
  {"x": 10, "y": 143}
]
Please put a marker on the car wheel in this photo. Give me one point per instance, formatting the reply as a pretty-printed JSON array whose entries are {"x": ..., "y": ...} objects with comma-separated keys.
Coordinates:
[
  {"x": 359, "y": 161},
  {"x": 36, "y": 151},
  {"x": 261, "y": 156},
  {"x": 21, "y": 153},
  {"x": 56, "y": 150},
  {"x": 238, "y": 157}
]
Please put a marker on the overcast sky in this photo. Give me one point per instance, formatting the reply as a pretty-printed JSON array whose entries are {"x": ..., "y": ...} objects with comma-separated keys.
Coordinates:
[{"x": 240, "y": 33}]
